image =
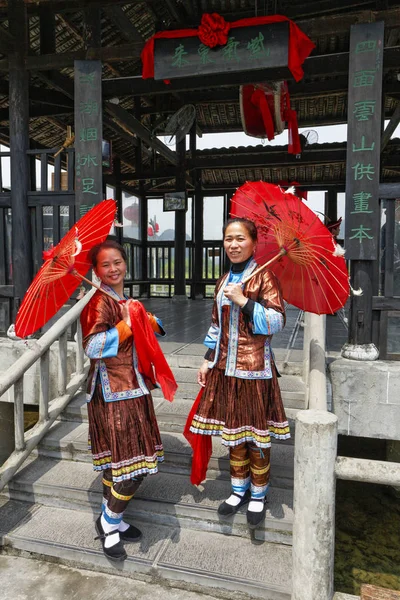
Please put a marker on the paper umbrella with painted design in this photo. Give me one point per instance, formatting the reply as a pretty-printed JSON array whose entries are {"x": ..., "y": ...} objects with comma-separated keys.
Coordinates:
[
  {"x": 64, "y": 269},
  {"x": 295, "y": 245}
]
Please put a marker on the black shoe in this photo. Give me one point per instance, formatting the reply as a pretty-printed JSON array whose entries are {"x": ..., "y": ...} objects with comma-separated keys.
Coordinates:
[
  {"x": 116, "y": 552},
  {"x": 131, "y": 535},
  {"x": 226, "y": 510},
  {"x": 255, "y": 518}
]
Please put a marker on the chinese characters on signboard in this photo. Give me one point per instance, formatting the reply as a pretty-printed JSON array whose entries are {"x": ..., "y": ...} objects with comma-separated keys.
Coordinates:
[
  {"x": 88, "y": 136},
  {"x": 363, "y": 141},
  {"x": 247, "y": 48}
]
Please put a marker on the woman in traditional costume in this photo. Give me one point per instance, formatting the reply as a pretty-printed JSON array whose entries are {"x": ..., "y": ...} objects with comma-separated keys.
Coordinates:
[
  {"x": 241, "y": 400},
  {"x": 123, "y": 431}
]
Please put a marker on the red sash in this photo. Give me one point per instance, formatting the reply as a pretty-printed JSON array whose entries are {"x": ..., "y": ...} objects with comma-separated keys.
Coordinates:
[{"x": 152, "y": 362}]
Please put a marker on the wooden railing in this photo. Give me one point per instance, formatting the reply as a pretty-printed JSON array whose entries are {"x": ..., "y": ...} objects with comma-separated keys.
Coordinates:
[{"x": 49, "y": 408}]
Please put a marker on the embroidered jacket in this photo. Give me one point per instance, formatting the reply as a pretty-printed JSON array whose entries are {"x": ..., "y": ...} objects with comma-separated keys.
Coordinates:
[
  {"x": 241, "y": 344},
  {"x": 108, "y": 342}
]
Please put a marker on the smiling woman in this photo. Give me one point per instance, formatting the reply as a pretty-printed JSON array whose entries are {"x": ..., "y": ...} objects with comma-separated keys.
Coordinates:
[
  {"x": 241, "y": 401},
  {"x": 123, "y": 431}
]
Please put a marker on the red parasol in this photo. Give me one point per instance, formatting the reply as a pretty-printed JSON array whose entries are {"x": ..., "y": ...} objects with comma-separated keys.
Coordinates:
[
  {"x": 63, "y": 269},
  {"x": 297, "y": 247}
]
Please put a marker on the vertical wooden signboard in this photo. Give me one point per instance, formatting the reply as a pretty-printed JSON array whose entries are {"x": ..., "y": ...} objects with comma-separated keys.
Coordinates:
[
  {"x": 88, "y": 136},
  {"x": 363, "y": 141}
]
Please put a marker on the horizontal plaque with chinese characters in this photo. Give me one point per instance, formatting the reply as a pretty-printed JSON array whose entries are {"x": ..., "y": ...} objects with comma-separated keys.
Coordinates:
[
  {"x": 88, "y": 136},
  {"x": 363, "y": 141},
  {"x": 247, "y": 48}
]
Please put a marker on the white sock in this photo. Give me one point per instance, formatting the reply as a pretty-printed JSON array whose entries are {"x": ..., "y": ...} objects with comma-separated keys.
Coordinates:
[
  {"x": 123, "y": 526},
  {"x": 255, "y": 506},
  {"x": 110, "y": 540},
  {"x": 234, "y": 500}
]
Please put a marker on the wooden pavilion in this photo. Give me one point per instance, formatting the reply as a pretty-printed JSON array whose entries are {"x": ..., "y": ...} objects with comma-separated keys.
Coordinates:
[{"x": 46, "y": 47}]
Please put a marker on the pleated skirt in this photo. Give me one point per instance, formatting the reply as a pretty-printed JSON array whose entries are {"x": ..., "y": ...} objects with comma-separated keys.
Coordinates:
[
  {"x": 241, "y": 410},
  {"x": 124, "y": 436}
]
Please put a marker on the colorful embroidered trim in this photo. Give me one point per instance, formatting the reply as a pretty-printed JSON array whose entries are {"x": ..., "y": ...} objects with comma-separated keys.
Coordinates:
[{"x": 120, "y": 496}]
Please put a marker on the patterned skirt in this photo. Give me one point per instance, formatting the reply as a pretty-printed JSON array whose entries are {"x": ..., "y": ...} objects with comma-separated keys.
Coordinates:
[
  {"x": 241, "y": 410},
  {"x": 124, "y": 436}
]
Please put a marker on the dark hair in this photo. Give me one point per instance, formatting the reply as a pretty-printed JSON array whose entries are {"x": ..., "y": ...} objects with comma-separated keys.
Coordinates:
[
  {"x": 94, "y": 252},
  {"x": 249, "y": 225}
]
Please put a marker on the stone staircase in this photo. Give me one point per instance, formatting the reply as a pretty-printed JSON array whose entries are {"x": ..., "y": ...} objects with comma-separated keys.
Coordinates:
[{"x": 52, "y": 502}]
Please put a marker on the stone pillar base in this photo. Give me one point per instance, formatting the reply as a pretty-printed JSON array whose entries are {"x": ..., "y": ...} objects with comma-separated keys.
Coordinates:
[
  {"x": 360, "y": 352},
  {"x": 180, "y": 298}
]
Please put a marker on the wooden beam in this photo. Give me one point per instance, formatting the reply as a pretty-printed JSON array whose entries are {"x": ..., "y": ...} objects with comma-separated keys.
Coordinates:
[
  {"x": 175, "y": 12},
  {"x": 7, "y": 41},
  {"x": 340, "y": 23},
  {"x": 123, "y": 23},
  {"x": 389, "y": 190},
  {"x": 126, "y": 120},
  {"x": 66, "y": 5},
  {"x": 123, "y": 52},
  {"x": 38, "y": 111},
  {"x": 390, "y": 128},
  {"x": 270, "y": 157},
  {"x": 314, "y": 66}
]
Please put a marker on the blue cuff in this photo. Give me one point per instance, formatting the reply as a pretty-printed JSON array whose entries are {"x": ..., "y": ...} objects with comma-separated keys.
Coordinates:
[{"x": 266, "y": 321}]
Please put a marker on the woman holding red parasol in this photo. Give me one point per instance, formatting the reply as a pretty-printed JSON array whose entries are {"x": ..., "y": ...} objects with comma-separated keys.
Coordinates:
[
  {"x": 241, "y": 400},
  {"x": 123, "y": 430}
]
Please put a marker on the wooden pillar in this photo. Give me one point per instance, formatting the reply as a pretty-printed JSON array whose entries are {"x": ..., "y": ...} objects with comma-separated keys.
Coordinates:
[
  {"x": 330, "y": 208},
  {"x": 88, "y": 120},
  {"x": 198, "y": 215},
  {"x": 180, "y": 226},
  {"x": 118, "y": 196},
  {"x": 144, "y": 217},
  {"x": 47, "y": 21},
  {"x": 21, "y": 242},
  {"x": 197, "y": 290},
  {"x": 362, "y": 172}
]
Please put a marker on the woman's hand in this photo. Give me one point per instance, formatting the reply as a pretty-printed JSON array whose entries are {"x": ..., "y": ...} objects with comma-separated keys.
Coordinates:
[
  {"x": 202, "y": 374},
  {"x": 125, "y": 312},
  {"x": 234, "y": 292}
]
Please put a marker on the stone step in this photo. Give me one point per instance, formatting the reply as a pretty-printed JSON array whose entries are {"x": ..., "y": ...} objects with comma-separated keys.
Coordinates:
[
  {"x": 69, "y": 440},
  {"x": 168, "y": 498},
  {"x": 197, "y": 560}
]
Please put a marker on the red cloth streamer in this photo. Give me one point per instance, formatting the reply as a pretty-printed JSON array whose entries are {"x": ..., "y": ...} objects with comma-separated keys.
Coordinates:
[
  {"x": 152, "y": 362},
  {"x": 201, "y": 446},
  {"x": 259, "y": 99},
  {"x": 300, "y": 45},
  {"x": 294, "y": 146}
]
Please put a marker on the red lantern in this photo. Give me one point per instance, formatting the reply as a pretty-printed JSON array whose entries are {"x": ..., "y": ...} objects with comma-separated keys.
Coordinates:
[
  {"x": 132, "y": 213},
  {"x": 264, "y": 108},
  {"x": 150, "y": 231}
]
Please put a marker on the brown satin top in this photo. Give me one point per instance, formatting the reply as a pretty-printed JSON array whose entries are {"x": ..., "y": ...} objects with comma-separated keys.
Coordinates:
[
  {"x": 101, "y": 314},
  {"x": 263, "y": 288}
]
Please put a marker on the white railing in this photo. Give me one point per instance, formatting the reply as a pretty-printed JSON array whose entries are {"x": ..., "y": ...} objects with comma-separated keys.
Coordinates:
[
  {"x": 49, "y": 409},
  {"x": 314, "y": 361}
]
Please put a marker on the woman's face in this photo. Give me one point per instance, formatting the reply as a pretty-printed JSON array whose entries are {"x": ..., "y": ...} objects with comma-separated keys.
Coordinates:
[
  {"x": 238, "y": 244},
  {"x": 111, "y": 267}
]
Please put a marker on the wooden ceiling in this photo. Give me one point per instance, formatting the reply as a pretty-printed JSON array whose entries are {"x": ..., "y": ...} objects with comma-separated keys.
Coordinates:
[{"x": 58, "y": 34}]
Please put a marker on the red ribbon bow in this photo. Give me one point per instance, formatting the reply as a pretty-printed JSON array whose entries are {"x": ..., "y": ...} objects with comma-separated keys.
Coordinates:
[{"x": 213, "y": 30}]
